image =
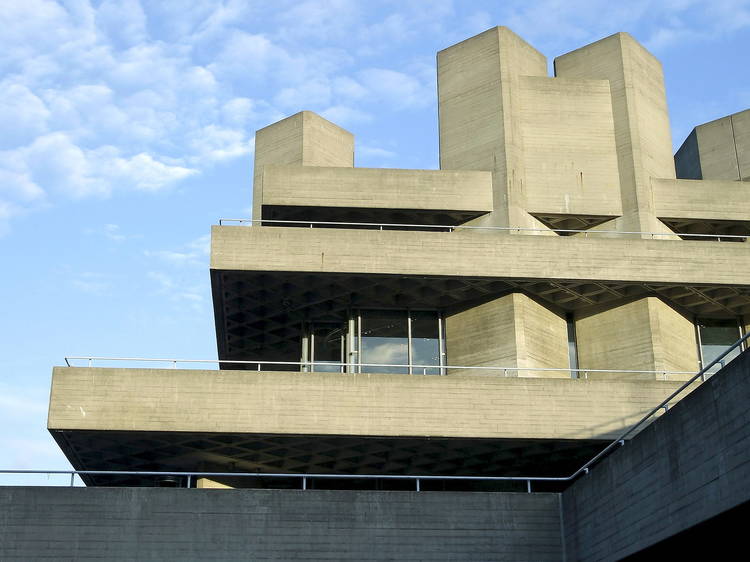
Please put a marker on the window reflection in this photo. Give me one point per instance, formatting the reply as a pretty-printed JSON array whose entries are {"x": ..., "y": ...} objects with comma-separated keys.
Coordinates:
[
  {"x": 385, "y": 339},
  {"x": 408, "y": 341},
  {"x": 715, "y": 336},
  {"x": 425, "y": 342},
  {"x": 327, "y": 347}
]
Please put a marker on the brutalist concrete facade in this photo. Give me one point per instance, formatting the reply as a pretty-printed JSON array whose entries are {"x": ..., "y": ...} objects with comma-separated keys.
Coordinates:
[{"x": 506, "y": 314}]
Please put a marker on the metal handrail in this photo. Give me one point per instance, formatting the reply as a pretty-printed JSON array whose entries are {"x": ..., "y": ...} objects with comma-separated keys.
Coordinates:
[
  {"x": 584, "y": 469},
  {"x": 664, "y": 405},
  {"x": 453, "y": 227},
  {"x": 311, "y": 364},
  {"x": 303, "y": 476}
]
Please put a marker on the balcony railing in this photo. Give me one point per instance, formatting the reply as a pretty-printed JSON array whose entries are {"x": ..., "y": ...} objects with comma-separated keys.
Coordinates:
[
  {"x": 356, "y": 368},
  {"x": 303, "y": 478},
  {"x": 456, "y": 228}
]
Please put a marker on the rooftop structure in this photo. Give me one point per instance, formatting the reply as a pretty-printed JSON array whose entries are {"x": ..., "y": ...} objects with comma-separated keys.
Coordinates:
[{"x": 504, "y": 315}]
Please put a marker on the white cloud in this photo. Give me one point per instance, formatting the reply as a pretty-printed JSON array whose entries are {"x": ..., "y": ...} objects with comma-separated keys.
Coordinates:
[
  {"x": 399, "y": 89},
  {"x": 213, "y": 143},
  {"x": 375, "y": 152},
  {"x": 193, "y": 253},
  {"x": 179, "y": 291},
  {"x": 344, "y": 115},
  {"x": 23, "y": 114},
  {"x": 122, "y": 21},
  {"x": 92, "y": 283},
  {"x": 312, "y": 19},
  {"x": 146, "y": 173},
  {"x": 312, "y": 93}
]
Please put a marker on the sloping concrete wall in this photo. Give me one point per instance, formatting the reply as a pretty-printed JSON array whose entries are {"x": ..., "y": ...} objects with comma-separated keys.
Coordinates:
[
  {"x": 688, "y": 466},
  {"x": 180, "y": 524}
]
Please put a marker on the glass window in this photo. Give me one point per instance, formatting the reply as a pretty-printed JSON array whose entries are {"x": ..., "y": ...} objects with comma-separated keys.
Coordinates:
[
  {"x": 572, "y": 346},
  {"x": 405, "y": 341},
  {"x": 326, "y": 343},
  {"x": 714, "y": 337},
  {"x": 425, "y": 342},
  {"x": 384, "y": 340}
]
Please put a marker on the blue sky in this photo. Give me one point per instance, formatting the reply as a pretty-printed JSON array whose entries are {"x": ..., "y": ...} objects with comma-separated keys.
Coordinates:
[{"x": 127, "y": 130}]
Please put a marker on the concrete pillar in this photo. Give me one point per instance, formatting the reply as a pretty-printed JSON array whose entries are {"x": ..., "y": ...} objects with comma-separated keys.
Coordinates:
[
  {"x": 479, "y": 84},
  {"x": 646, "y": 335},
  {"x": 641, "y": 120},
  {"x": 512, "y": 331},
  {"x": 304, "y": 139}
]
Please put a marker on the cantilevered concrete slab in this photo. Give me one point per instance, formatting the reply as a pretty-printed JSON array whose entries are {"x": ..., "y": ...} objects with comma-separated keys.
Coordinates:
[
  {"x": 285, "y": 403},
  {"x": 703, "y": 206},
  {"x": 299, "y": 192},
  {"x": 162, "y": 419},
  {"x": 702, "y": 199},
  {"x": 479, "y": 253}
]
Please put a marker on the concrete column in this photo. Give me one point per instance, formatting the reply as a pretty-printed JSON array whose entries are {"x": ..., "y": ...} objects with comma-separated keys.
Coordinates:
[
  {"x": 646, "y": 335},
  {"x": 512, "y": 331},
  {"x": 479, "y": 83},
  {"x": 641, "y": 119},
  {"x": 304, "y": 139}
]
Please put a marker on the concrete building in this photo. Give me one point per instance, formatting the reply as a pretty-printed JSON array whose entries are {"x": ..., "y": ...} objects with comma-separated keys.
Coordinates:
[{"x": 505, "y": 315}]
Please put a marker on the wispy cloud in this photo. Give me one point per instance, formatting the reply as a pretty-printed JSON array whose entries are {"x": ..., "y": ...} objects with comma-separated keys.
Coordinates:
[
  {"x": 92, "y": 283},
  {"x": 102, "y": 98},
  {"x": 194, "y": 252}
]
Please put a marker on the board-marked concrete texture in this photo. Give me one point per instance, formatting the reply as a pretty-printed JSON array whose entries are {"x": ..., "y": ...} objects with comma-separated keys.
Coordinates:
[
  {"x": 180, "y": 524},
  {"x": 688, "y": 466}
]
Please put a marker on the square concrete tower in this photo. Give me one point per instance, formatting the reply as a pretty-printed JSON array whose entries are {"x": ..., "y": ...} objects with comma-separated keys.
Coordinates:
[
  {"x": 304, "y": 139},
  {"x": 641, "y": 119}
]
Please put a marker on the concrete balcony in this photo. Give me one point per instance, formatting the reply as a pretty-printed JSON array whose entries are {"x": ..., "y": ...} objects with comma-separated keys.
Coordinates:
[
  {"x": 703, "y": 206},
  {"x": 373, "y": 194},
  {"x": 479, "y": 253},
  {"x": 170, "y": 419}
]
